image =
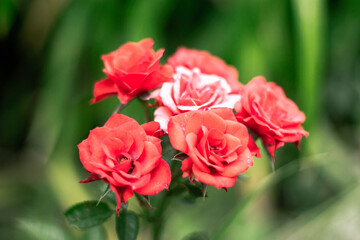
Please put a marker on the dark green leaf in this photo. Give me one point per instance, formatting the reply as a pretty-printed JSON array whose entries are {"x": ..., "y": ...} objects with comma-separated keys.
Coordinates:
[
  {"x": 127, "y": 225},
  {"x": 87, "y": 214},
  {"x": 194, "y": 190}
]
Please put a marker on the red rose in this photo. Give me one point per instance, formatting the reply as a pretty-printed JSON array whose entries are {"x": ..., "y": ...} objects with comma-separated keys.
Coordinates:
[
  {"x": 127, "y": 156},
  {"x": 266, "y": 110},
  {"x": 217, "y": 146},
  {"x": 208, "y": 64},
  {"x": 192, "y": 90},
  {"x": 131, "y": 70}
]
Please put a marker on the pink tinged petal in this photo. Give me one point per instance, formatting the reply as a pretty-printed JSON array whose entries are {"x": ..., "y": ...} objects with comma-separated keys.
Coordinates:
[
  {"x": 150, "y": 158},
  {"x": 243, "y": 162},
  {"x": 103, "y": 89},
  {"x": 230, "y": 101},
  {"x": 160, "y": 180},
  {"x": 162, "y": 116},
  {"x": 217, "y": 181},
  {"x": 166, "y": 97}
]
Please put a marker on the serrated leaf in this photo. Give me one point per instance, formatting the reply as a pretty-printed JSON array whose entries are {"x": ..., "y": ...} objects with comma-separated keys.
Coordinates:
[
  {"x": 87, "y": 214},
  {"x": 127, "y": 225}
]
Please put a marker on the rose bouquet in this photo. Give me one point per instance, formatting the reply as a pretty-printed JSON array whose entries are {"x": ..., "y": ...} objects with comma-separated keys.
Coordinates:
[{"x": 210, "y": 119}]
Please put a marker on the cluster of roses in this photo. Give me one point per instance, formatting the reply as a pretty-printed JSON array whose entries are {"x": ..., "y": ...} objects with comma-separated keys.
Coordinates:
[{"x": 205, "y": 111}]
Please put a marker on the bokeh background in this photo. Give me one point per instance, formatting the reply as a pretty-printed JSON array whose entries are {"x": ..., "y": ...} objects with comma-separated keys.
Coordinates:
[{"x": 50, "y": 58}]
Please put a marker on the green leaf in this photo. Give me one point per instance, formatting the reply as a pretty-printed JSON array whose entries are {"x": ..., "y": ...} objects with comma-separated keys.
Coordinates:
[
  {"x": 127, "y": 225},
  {"x": 194, "y": 190},
  {"x": 87, "y": 214},
  {"x": 95, "y": 233}
]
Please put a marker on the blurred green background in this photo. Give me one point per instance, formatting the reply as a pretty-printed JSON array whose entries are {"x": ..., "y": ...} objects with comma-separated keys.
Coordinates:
[{"x": 50, "y": 51}]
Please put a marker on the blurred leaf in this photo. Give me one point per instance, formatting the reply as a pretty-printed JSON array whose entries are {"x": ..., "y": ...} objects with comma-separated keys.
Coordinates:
[
  {"x": 87, "y": 214},
  {"x": 127, "y": 225},
  {"x": 197, "y": 236},
  {"x": 43, "y": 230},
  {"x": 7, "y": 14},
  {"x": 95, "y": 233}
]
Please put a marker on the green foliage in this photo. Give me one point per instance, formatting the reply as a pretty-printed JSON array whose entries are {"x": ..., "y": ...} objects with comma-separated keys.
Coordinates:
[
  {"x": 88, "y": 214},
  {"x": 127, "y": 225},
  {"x": 42, "y": 230}
]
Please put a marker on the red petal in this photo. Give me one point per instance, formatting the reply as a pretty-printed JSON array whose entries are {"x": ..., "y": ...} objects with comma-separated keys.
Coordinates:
[
  {"x": 160, "y": 179},
  {"x": 239, "y": 166},
  {"x": 213, "y": 180},
  {"x": 153, "y": 129},
  {"x": 103, "y": 89},
  {"x": 150, "y": 158}
]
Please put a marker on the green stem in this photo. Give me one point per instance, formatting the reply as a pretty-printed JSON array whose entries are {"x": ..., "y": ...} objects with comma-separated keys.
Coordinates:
[
  {"x": 146, "y": 109},
  {"x": 158, "y": 224},
  {"x": 158, "y": 216}
]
